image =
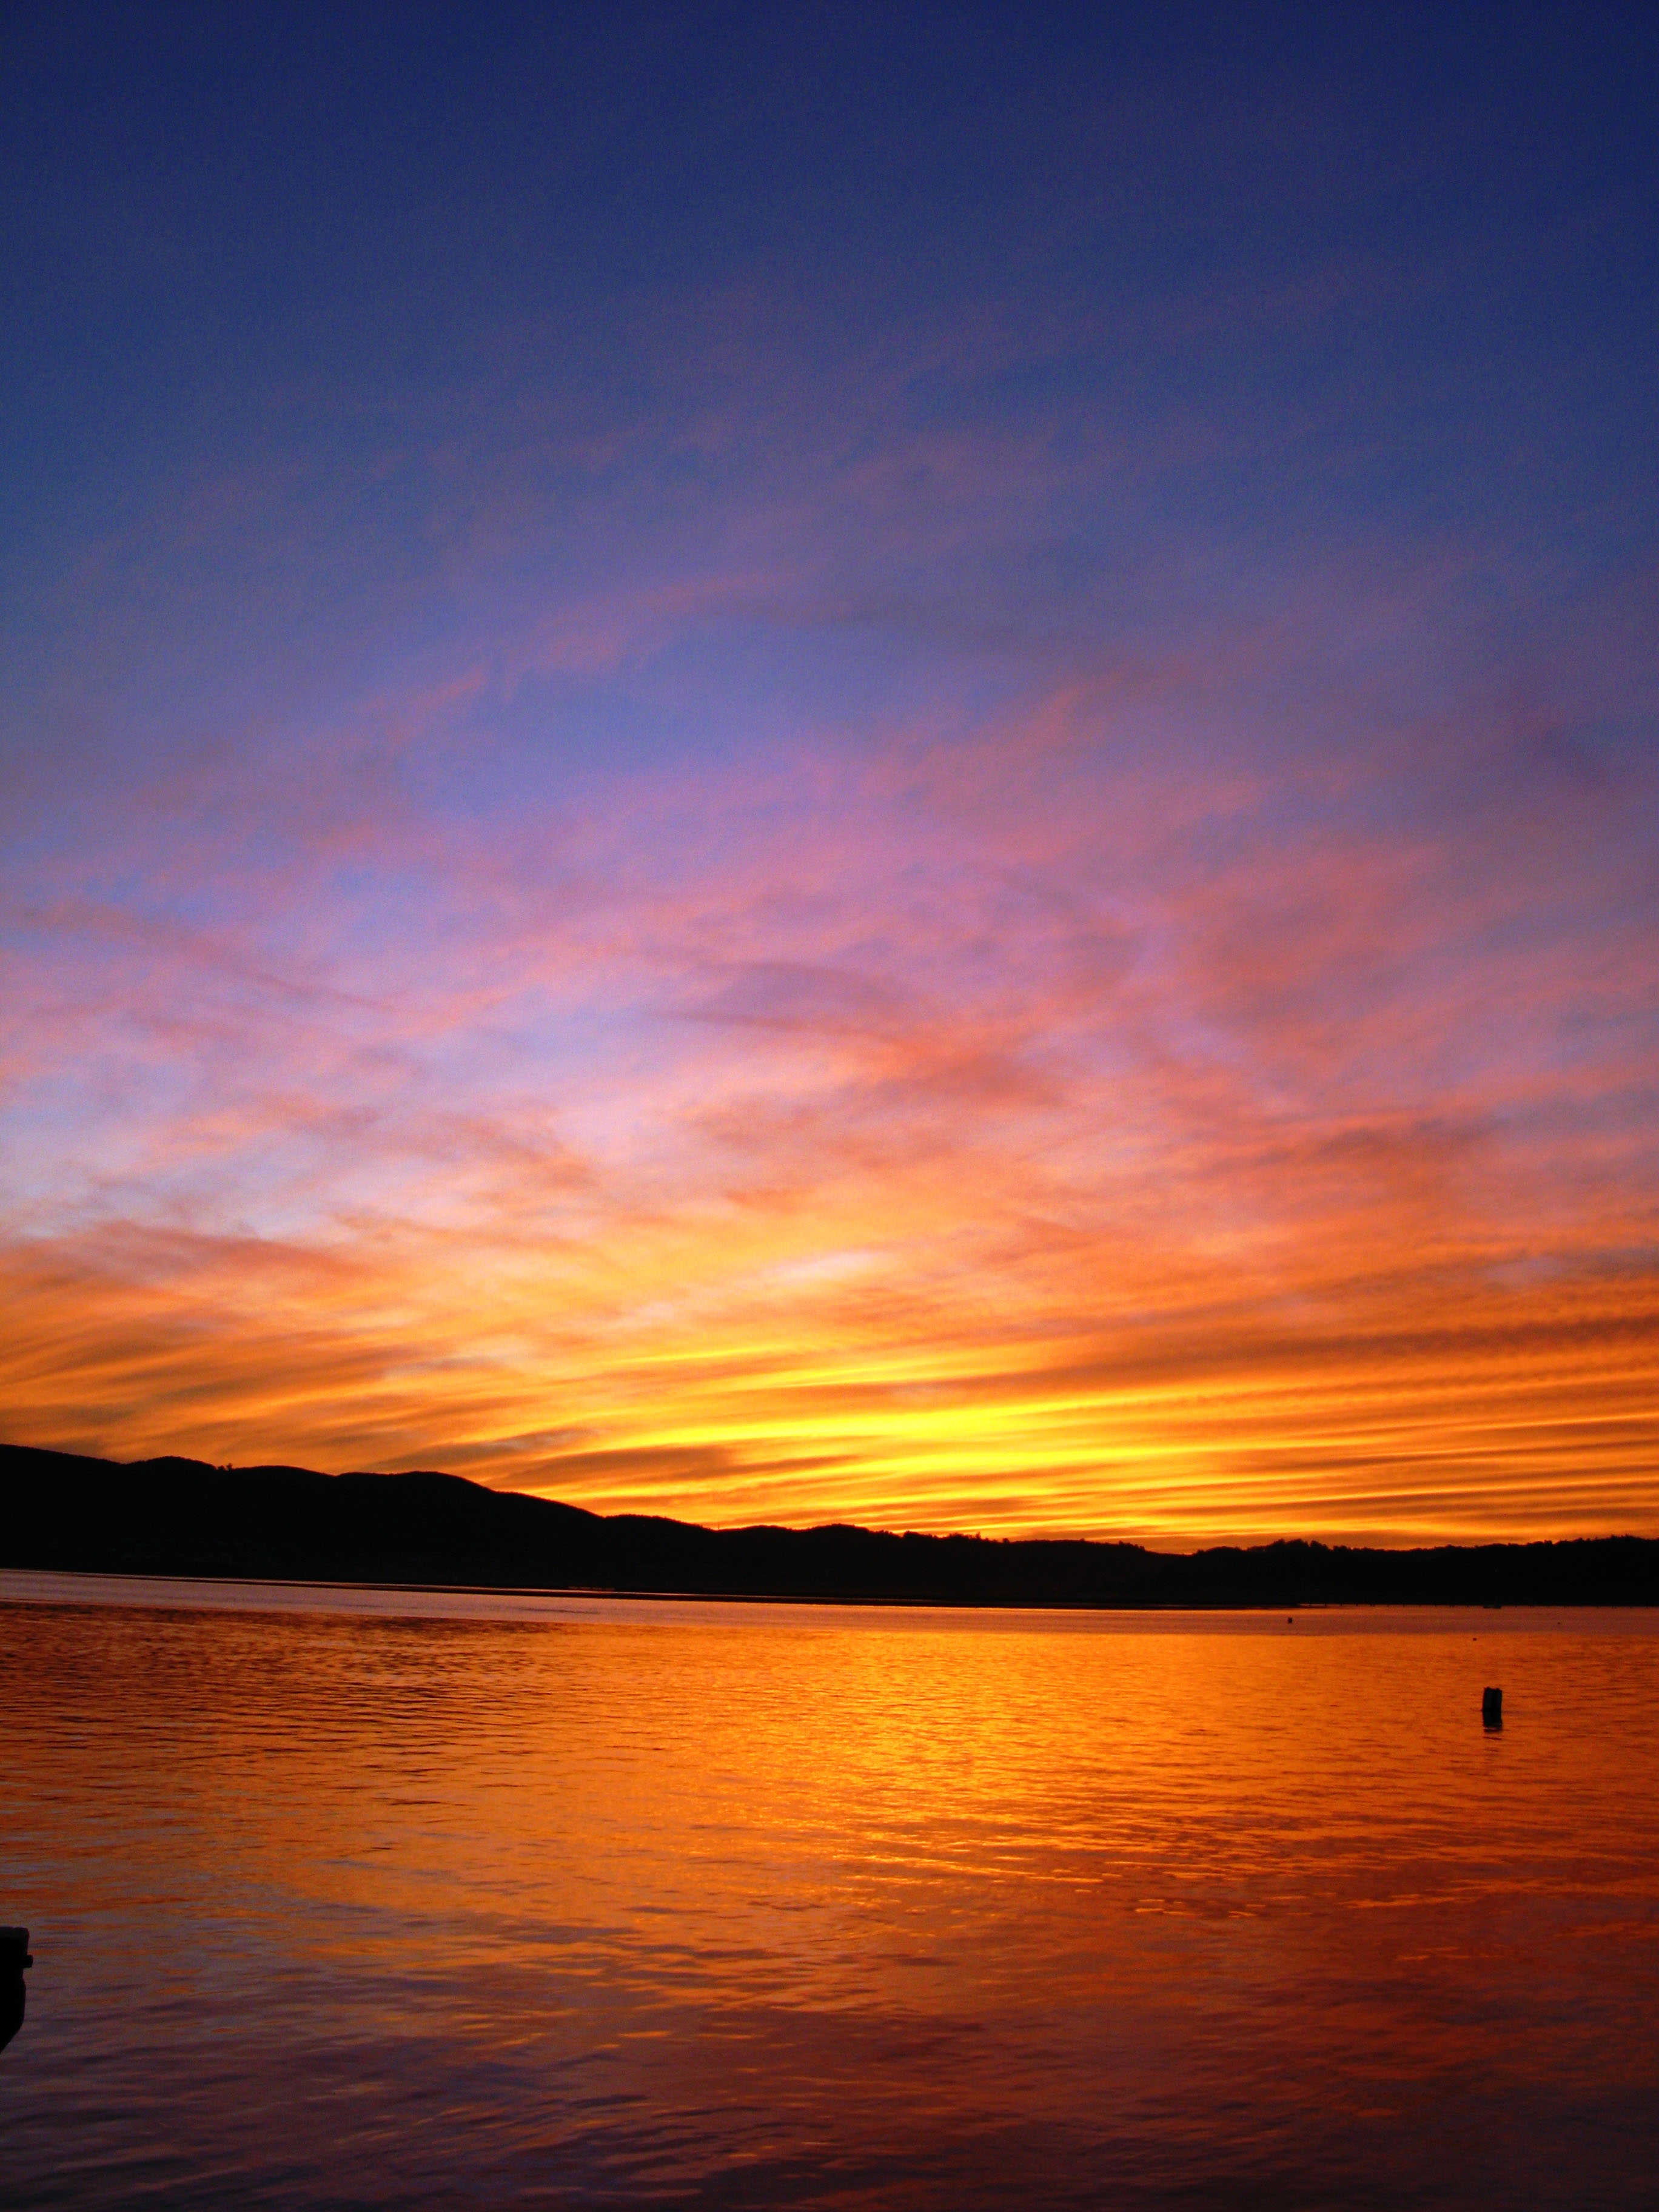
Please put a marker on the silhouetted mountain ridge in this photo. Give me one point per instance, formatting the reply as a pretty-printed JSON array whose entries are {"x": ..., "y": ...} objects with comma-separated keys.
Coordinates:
[{"x": 182, "y": 1517}]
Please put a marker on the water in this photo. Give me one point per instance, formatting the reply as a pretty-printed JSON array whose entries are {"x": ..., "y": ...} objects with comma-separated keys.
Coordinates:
[{"x": 373, "y": 1899}]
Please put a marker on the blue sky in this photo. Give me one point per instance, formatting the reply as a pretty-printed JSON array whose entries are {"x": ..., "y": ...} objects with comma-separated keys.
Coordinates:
[{"x": 886, "y": 763}]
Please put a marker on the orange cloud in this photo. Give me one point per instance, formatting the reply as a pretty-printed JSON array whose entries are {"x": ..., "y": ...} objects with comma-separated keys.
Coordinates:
[{"x": 772, "y": 1019}]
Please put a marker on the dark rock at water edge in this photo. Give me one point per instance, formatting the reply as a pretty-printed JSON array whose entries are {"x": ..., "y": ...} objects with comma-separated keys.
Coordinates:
[{"x": 14, "y": 1960}]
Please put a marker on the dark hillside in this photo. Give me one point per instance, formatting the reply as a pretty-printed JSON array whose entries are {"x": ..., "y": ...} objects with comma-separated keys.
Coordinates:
[{"x": 181, "y": 1516}]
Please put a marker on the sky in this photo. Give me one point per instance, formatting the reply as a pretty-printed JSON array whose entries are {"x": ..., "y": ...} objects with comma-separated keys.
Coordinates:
[{"x": 838, "y": 764}]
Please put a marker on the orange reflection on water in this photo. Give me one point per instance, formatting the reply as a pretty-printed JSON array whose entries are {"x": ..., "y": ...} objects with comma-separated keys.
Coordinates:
[{"x": 833, "y": 1907}]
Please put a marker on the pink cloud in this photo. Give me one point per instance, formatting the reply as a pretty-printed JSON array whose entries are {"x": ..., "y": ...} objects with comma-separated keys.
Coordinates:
[{"x": 1174, "y": 1054}]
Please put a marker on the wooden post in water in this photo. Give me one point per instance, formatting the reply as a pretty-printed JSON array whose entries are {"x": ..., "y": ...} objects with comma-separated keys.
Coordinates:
[
  {"x": 14, "y": 1958},
  {"x": 1491, "y": 1708}
]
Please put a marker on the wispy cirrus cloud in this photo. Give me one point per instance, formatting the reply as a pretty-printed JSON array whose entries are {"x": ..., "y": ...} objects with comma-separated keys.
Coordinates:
[{"x": 759, "y": 908}]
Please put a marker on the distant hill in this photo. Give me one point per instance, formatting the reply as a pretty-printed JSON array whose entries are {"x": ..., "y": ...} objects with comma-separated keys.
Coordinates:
[{"x": 181, "y": 1516}]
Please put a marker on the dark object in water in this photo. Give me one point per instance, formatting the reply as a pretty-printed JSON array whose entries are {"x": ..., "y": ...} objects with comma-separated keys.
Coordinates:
[
  {"x": 1491, "y": 1708},
  {"x": 14, "y": 1958}
]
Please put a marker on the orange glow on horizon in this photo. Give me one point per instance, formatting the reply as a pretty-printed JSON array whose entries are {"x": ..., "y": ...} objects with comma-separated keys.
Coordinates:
[
  {"x": 1083, "y": 1114},
  {"x": 729, "y": 1368}
]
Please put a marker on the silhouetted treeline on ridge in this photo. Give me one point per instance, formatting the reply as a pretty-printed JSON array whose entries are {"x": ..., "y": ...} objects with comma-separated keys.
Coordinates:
[{"x": 181, "y": 1516}]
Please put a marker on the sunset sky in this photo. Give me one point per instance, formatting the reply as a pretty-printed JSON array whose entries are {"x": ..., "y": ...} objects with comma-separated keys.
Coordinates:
[{"x": 874, "y": 763}]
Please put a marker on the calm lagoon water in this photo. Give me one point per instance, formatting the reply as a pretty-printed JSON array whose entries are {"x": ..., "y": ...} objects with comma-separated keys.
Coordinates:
[{"x": 373, "y": 1899}]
